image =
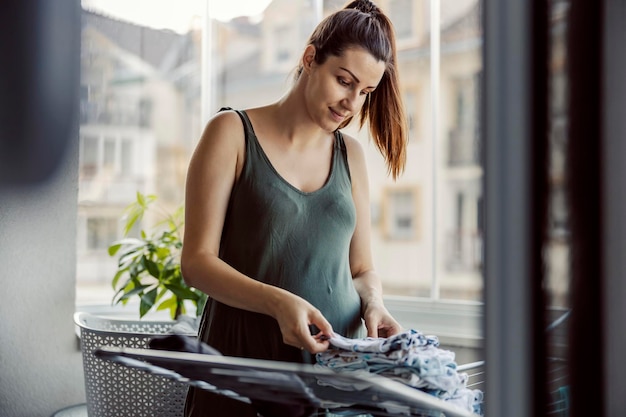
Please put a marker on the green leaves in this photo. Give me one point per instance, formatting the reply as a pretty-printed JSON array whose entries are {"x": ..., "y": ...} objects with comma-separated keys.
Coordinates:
[
  {"x": 149, "y": 266},
  {"x": 147, "y": 301},
  {"x": 135, "y": 211}
]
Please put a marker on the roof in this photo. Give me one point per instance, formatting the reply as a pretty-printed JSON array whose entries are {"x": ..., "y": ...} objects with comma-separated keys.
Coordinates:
[{"x": 151, "y": 45}]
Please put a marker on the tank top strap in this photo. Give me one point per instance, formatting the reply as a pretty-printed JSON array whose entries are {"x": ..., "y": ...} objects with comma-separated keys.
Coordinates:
[
  {"x": 247, "y": 125},
  {"x": 340, "y": 148}
]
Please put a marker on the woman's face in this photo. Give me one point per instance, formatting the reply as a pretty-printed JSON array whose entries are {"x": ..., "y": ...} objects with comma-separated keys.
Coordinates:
[{"x": 337, "y": 89}]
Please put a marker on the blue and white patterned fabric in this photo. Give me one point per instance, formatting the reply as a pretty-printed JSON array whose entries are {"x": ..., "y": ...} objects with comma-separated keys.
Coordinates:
[{"x": 411, "y": 358}]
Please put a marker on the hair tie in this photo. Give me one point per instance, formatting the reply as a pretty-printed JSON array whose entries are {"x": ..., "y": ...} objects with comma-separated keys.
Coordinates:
[{"x": 364, "y": 6}]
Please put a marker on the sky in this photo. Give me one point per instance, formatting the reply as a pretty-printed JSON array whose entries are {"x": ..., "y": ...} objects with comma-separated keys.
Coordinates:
[{"x": 176, "y": 15}]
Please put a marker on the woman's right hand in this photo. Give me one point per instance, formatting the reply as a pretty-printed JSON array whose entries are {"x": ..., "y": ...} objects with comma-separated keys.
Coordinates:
[{"x": 294, "y": 316}]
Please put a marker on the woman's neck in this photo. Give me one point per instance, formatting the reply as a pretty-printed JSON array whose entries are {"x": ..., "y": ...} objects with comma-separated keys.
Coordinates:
[{"x": 291, "y": 120}]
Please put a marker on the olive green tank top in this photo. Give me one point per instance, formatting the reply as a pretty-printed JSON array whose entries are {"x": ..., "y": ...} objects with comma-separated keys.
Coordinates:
[{"x": 295, "y": 240}]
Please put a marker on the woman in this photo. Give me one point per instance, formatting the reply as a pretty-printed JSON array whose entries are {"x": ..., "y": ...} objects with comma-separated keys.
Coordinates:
[{"x": 277, "y": 205}]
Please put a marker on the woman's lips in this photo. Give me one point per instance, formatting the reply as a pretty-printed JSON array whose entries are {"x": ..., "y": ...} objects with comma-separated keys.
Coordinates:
[{"x": 336, "y": 116}]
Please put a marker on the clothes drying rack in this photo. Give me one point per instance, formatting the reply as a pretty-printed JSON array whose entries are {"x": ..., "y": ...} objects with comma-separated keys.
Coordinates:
[
  {"x": 291, "y": 384},
  {"x": 286, "y": 383}
]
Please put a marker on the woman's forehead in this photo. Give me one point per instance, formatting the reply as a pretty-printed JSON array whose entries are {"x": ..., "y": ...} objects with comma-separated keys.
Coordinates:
[{"x": 360, "y": 64}]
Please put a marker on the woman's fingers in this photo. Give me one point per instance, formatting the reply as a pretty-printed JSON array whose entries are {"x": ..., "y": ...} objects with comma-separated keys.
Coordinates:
[
  {"x": 380, "y": 323},
  {"x": 296, "y": 318},
  {"x": 318, "y": 320}
]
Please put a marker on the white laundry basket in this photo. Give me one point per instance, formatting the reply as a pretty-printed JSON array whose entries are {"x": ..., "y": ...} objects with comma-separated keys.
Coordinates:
[{"x": 113, "y": 390}]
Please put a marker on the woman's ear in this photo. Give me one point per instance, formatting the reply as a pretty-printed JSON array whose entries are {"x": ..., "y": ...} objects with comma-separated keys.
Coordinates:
[{"x": 308, "y": 57}]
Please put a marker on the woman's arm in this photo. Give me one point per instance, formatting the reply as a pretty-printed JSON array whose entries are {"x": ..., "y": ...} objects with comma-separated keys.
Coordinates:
[
  {"x": 213, "y": 170},
  {"x": 378, "y": 320}
]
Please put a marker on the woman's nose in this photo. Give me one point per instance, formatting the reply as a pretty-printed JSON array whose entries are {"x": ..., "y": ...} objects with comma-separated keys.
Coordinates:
[{"x": 352, "y": 102}]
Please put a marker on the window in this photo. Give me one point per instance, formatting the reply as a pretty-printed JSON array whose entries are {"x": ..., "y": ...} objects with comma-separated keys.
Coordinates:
[{"x": 426, "y": 228}]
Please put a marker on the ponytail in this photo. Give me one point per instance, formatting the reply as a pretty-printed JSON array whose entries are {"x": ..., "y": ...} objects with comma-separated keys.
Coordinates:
[
  {"x": 362, "y": 24},
  {"x": 383, "y": 108}
]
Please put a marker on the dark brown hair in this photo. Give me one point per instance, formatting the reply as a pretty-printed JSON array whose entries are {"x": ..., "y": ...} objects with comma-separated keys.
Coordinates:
[{"x": 362, "y": 24}]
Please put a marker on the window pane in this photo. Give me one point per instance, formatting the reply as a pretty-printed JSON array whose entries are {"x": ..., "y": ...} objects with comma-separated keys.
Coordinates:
[
  {"x": 401, "y": 225},
  {"x": 140, "y": 112},
  {"x": 459, "y": 234},
  {"x": 441, "y": 254}
]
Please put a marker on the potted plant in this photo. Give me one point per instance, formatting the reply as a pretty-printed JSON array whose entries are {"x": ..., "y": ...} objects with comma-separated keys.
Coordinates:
[{"x": 148, "y": 266}]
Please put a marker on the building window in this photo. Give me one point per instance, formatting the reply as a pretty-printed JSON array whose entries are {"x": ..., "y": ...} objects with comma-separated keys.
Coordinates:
[
  {"x": 89, "y": 156},
  {"x": 401, "y": 208},
  {"x": 145, "y": 112},
  {"x": 108, "y": 163},
  {"x": 464, "y": 241},
  {"x": 101, "y": 232},
  {"x": 463, "y": 137},
  {"x": 127, "y": 158}
]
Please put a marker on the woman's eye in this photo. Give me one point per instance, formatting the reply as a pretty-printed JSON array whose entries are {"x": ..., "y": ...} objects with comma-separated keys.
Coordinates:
[{"x": 343, "y": 82}]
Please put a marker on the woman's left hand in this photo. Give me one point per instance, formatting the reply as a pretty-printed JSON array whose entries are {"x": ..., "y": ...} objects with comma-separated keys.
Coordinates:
[{"x": 379, "y": 321}]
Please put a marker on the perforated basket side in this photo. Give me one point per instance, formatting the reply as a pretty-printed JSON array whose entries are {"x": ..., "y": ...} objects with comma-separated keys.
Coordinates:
[{"x": 116, "y": 390}]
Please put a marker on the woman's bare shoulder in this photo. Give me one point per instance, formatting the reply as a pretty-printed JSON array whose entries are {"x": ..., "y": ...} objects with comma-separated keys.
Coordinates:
[
  {"x": 222, "y": 142},
  {"x": 354, "y": 148},
  {"x": 225, "y": 123}
]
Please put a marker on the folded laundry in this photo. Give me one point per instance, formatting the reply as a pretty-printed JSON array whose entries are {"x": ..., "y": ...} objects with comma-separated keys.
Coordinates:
[{"x": 410, "y": 357}]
